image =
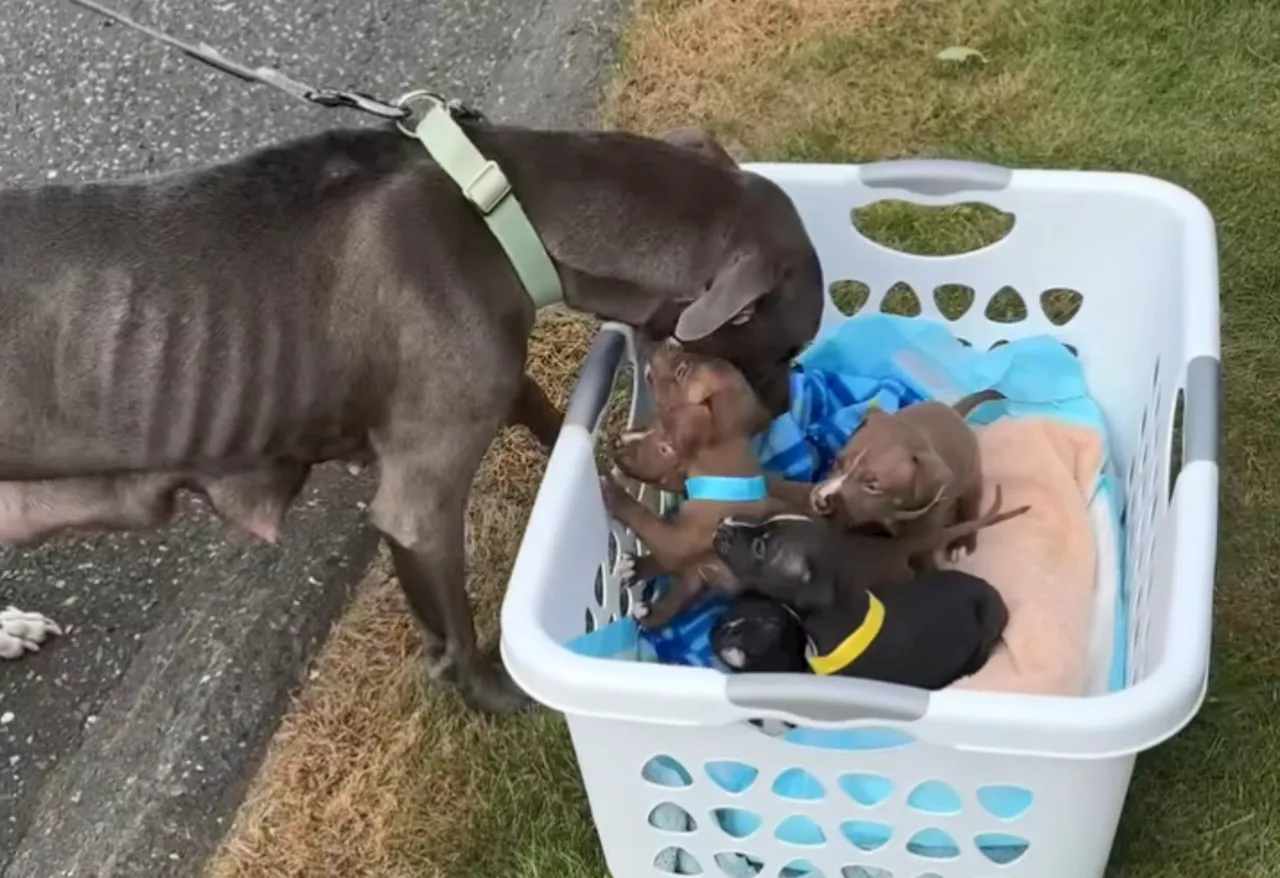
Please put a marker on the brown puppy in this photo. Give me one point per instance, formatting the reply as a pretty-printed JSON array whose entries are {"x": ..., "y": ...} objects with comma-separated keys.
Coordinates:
[
  {"x": 913, "y": 472},
  {"x": 707, "y": 414},
  {"x": 650, "y": 457}
]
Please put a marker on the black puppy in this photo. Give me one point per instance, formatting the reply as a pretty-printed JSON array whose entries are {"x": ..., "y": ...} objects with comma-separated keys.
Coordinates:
[
  {"x": 933, "y": 630},
  {"x": 759, "y": 634}
]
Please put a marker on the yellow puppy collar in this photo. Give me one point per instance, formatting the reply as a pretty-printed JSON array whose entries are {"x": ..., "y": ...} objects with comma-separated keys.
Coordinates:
[{"x": 852, "y": 646}]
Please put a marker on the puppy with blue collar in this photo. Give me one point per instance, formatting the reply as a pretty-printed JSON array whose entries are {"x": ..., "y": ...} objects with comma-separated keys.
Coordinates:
[
  {"x": 706, "y": 413},
  {"x": 928, "y": 632}
]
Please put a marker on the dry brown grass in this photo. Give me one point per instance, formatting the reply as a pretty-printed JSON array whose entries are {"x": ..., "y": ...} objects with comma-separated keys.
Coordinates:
[{"x": 370, "y": 773}]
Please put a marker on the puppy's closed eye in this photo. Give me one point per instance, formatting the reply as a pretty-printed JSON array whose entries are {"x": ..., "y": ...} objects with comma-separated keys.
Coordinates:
[{"x": 759, "y": 547}]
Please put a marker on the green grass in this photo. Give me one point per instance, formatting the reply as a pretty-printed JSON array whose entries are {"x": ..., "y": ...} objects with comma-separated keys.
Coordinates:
[{"x": 1188, "y": 90}]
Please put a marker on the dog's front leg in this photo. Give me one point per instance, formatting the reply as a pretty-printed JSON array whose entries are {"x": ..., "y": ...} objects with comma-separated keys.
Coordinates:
[
  {"x": 537, "y": 413},
  {"x": 421, "y": 509}
]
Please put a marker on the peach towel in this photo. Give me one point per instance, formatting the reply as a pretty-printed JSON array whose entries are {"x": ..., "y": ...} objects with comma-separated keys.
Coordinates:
[{"x": 1044, "y": 561}]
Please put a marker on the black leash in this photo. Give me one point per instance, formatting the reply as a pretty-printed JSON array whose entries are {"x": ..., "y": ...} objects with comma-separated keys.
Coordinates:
[{"x": 324, "y": 97}]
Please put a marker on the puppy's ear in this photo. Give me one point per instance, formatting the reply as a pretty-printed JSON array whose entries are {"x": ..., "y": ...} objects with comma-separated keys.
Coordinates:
[
  {"x": 730, "y": 298},
  {"x": 818, "y": 593},
  {"x": 688, "y": 427},
  {"x": 932, "y": 473},
  {"x": 701, "y": 143}
]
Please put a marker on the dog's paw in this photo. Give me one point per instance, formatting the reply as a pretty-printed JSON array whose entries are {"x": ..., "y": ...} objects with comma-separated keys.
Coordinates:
[{"x": 23, "y": 632}]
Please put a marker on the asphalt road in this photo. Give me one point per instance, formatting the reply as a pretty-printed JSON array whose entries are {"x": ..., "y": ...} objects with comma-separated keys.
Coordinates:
[{"x": 126, "y": 744}]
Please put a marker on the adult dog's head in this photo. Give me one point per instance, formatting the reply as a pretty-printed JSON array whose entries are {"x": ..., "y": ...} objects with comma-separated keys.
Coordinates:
[{"x": 762, "y": 302}]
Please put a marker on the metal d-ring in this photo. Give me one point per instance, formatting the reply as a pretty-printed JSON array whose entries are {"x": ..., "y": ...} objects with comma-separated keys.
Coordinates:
[{"x": 408, "y": 99}]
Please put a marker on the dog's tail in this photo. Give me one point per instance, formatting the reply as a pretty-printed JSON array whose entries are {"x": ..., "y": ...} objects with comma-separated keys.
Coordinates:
[
  {"x": 965, "y": 406},
  {"x": 939, "y": 538}
]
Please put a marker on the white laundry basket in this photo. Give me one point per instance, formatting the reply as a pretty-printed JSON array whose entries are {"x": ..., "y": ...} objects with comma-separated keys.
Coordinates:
[{"x": 1030, "y": 787}]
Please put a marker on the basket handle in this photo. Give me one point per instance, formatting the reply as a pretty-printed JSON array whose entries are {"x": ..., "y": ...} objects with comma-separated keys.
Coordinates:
[
  {"x": 934, "y": 177},
  {"x": 595, "y": 381},
  {"x": 827, "y": 699},
  {"x": 1202, "y": 418}
]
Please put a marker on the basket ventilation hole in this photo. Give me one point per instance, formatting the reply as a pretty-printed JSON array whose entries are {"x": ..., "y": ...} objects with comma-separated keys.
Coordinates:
[
  {"x": 901, "y": 300},
  {"x": 932, "y": 230},
  {"x": 732, "y": 777},
  {"x": 933, "y": 844},
  {"x": 666, "y": 771},
  {"x": 1001, "y": 848},
  {"x": 677, "y": 861},
  {"x": 953, "y": 300},
  {"x": 624, "y": 602},
  {"x": 796, "y": 783},
  {"x": 1005, "y": 802},
  {"x": 1176, "y": 448},
  {"x": 738, "y": 865},
  {"x": 865, "y": 872},
  {"x": 1072, "y": 349},
  {"x": 800, "y": 869},
  {"x": 849, "y": 296},
  {"x": 964, "y": 341},
  {"x": 613, "y": 550},
  {"x": 1006, "y": 306},
  {"x": 999, "y": 343},
  {"x": 866, "y": 835},
  {"x": 867, "y": 790},
  {"x": 736, "y": 822},
  {"x": 799, "y": 829},
  {"x": 589, "y": 622},
  {"x": 599, "y": 586},
  {"x": 670, "y": 817},
  {"x": 934, "y": 797},
  {"x": 1061, "y": 305}
]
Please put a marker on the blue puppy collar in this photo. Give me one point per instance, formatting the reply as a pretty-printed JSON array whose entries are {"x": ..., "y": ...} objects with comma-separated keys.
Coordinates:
[{"x": 727, "y": 489}]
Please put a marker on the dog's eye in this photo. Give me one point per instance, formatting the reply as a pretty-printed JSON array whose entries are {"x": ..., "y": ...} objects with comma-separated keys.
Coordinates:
[
  {"x": 681, "y": 370},
  {"x": 665, "y": 449},
  {"x": 872, "y": 487},
  {"x": 758, "y": 546}
]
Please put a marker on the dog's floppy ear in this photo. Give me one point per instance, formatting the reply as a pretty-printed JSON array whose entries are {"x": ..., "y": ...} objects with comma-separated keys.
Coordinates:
[
  {"x": 730, "y": 298},
  {"x": 932, "y": 472},
  {"x": 701, "y": 143}
]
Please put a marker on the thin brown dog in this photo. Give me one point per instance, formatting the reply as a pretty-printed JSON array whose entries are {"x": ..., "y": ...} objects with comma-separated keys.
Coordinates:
[
  {"x": 913, "y": 472},
  {"x": 707, "y": 414}
]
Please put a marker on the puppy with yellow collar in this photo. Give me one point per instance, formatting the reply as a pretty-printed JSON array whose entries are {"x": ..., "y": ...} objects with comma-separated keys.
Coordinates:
[{"x": 928, "y": 632}]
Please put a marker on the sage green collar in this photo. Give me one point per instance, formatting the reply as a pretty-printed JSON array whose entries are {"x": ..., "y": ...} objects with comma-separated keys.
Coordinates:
[{"x": 486, "y": 187}]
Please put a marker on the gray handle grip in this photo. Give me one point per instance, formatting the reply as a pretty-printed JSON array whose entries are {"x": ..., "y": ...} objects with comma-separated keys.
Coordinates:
[
  {"x": 1202, "y": 415},
  {"x": 827, "y": 699},
  {"x": 934, "y": 176},
  {"x": 591, "y": 391}
]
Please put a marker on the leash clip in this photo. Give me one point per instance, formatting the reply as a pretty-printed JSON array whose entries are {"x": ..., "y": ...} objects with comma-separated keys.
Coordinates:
[{"x": 456, "y": 109}]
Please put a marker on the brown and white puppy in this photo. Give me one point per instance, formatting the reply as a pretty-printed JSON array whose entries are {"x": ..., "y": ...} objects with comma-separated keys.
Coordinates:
[
  {"x": 912, "y": 472},
  {"x": 708, "y": 414}
]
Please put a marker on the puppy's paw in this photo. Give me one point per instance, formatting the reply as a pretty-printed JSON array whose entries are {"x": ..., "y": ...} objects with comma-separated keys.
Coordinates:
[
  {"x": 640, "y": 610},
  {"x": 626, "y": 569},
  {"x": 23, "y": 632}
]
